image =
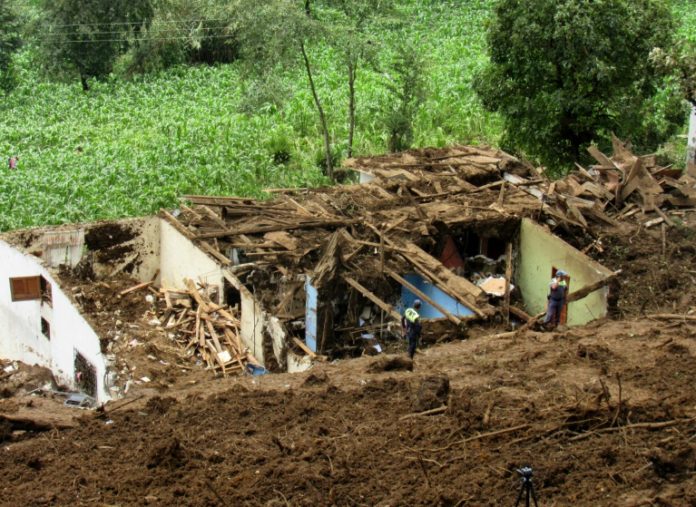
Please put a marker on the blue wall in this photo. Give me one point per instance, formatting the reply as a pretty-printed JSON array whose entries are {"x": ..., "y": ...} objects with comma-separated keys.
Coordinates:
[
  {"x": 311, "y": 315},
  {"x": 427, "y": 311}
]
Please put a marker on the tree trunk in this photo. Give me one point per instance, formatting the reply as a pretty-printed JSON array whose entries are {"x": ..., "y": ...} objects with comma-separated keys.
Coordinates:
[
  {"x": 85, "y": 84},
  {"x": 322, "y": 117},
  {"x": 352, "y": 70},
  {"x": 691, "y": 139}
]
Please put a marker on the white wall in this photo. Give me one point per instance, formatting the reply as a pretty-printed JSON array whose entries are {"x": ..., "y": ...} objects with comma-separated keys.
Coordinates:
[
  {"x": 20, "y": 325},
  {"x": 180, "y": 259}
]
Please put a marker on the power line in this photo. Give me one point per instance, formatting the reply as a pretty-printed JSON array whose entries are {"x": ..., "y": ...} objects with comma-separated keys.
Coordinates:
[
  {"x": 140, "y": 23},
  {"x": 97, "y": 41},
  {"x": 182, "y": 29}
]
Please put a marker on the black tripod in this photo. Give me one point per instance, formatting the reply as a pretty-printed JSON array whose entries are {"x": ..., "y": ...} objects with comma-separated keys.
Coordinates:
[{"x": 527, "y": 487}]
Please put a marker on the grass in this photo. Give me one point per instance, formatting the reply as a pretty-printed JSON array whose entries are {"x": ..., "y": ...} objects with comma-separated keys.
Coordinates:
[{"x": 130, "y": 147}]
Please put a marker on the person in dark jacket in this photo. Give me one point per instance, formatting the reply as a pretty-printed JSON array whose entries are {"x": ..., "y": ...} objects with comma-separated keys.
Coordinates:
[
  {"x": 411, "y": 324},
  {"x": 558, "y": 289}
]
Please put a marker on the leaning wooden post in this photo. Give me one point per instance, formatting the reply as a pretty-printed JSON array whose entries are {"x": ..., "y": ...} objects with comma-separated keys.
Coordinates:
[{"x": 508, "y": 276}]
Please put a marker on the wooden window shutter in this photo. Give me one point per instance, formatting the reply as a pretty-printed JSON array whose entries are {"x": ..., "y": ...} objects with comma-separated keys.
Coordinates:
[{"x": 25, "y": 288}]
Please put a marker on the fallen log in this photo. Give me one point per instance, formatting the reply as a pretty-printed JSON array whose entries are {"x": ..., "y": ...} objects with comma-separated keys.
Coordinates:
[{"x": 589, "y": 289}]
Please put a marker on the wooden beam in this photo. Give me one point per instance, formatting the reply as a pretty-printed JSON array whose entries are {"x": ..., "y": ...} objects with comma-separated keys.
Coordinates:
[
  {"x": 134, "y": 288},
  {"x": 518, "y": 312},
  {"x": 193, "y": 291},
  {"x": 278, "y": 227},
  {"x": 456, "y": 321},
  {"x": 508, "y": 281},
  {"x": 176, "y": 224},
  {"x": 304, "y": 348},
  {"x": 208, "y": 248},
  {"x": 376, "y": 300},
  {"x": 451, "y": 284},
  {"x": 589, "y": 289}
]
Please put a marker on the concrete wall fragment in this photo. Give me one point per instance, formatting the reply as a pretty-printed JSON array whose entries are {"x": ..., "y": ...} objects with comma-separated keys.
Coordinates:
[{"x": 540, "y": 251}]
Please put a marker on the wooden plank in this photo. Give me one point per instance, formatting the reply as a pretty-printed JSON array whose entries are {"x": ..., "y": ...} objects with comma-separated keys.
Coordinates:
[
  {"x": 600, "y": 157},
  {"x": 134, "y": 288},
  {"x": 195, "y": 214},
  {"x": 168, "y": 300},
  {"x": 452, "y": 318},
  {"x": 592, "y": 287},
  {"x": 208, "y": 248},
  {"x": 369, "y": 295},
  {"x": 508, "y": 281},
  {"x": 213, "y": 335},
  {"x": 176, "y": 224},
  {"x": 518, "y": 312},
  {"x": 455, "y": 286},
  {"x": 279, "y": 227},
  {"x": 304, "y": 347},
  {"x": 193, "y": 291}
]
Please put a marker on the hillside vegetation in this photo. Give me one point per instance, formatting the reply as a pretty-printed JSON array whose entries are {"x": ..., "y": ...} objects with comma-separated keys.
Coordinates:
[{"x": 131, "y": 146}]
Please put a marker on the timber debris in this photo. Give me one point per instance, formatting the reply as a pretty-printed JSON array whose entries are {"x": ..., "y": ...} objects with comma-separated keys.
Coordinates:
[{"x": 204, "y": 329}]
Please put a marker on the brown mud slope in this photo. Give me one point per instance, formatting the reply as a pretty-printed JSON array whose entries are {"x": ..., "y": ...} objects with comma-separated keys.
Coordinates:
[{"x": 605, "y": 415}]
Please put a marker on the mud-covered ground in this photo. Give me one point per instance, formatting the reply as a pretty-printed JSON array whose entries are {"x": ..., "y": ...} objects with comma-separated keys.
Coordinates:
[{"x": 605, "y": 415}]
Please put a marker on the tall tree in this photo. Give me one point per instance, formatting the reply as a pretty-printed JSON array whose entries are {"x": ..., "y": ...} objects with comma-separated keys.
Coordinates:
[
  {"x": 680, "y": 61},
  {"x": 86, "y": 36},
  {"x": 407, "y": 87},
  {"x": 564, "y": 73},
  {"x": 279, "y": 33},
  {"x": 9, "y": 43},
  {"x": 353, "y": 37}
]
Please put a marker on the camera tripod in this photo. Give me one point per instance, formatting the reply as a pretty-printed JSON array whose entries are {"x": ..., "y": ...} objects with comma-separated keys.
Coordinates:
[{"x": 527, "y": 487}]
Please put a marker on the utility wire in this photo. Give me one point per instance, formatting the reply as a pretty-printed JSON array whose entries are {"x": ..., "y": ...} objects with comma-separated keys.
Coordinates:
[
  {"x": 139, "y": 23},
  {"x": 119, "y": 32},
  {"x": 97, "y": 41}
]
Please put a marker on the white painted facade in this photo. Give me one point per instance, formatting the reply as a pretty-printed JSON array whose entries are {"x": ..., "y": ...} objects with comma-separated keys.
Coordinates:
[
  {"x": 159, "y": 247},
  {"x": 180, "y": 258},
  {"x": 21, "y": 338}
]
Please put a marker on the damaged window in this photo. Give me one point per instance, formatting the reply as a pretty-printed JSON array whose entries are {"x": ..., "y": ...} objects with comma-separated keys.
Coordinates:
[
  {"x": 46, "y": 291},
  {"x": 25, "y": 288},
  {"x": 85, "y": 375},
  {"x": 45, "y": 328}
]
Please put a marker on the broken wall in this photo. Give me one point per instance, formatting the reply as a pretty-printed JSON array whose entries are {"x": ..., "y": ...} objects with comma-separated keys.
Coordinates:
[
  {"x": 180, "y": 259},
  {"x": 125, "y": 246},
  {"x": 21, "y": 336},
  {"x": 540, "y": 251},
  {"x": 253, "y": 321}
]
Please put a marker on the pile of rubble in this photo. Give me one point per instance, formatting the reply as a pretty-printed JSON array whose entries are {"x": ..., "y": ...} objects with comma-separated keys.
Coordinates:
[
  {"x": 616, "y": 188},
  {"x": 203, "y": 328}
]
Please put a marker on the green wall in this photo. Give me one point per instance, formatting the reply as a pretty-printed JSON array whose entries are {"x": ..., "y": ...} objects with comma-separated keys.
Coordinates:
[{"x": 539, "y": 251}]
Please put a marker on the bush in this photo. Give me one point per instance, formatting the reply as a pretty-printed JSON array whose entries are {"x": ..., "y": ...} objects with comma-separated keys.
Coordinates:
[
  {"x": 567, "y": 73},
  {"x": 184, "y": 32}
]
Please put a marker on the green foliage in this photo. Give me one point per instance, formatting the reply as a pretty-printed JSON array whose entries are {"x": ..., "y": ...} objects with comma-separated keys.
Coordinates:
[
  {"x": 184, "y": 32},
  {"x": 87, "y": 36},
  {"x": 566, "y": 73},
  {"x": 9, "y": 43},
  {"x": 407, "y": 88},
  {"x": 131, "y": 147},
  {"x": 680, "y": 61}
]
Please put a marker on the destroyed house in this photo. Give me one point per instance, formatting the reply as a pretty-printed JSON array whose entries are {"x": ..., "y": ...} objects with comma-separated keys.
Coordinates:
[
  {"x": 330, "y": 271},
  {"x": 242, "y": 284}
]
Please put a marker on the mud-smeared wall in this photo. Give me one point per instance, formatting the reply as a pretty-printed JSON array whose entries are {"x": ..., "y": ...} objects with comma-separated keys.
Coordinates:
[{"x": 540, "y": 251}]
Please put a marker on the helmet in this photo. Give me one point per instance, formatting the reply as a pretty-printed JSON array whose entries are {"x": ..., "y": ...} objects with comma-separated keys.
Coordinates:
[
  {"x": 417, "y": 303},
  {"x": 560, "y": 272}
]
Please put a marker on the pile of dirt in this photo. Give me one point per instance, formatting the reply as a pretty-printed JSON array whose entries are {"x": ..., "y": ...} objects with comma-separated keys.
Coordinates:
[
  {"x": 603, "y": 414},
  {"x": 17, "y": 378},
  {"x": 658, "y": 274}
]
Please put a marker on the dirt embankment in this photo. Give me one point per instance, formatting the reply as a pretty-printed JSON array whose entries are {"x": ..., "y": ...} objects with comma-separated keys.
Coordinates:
[{"x": 604, "y": 415}]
